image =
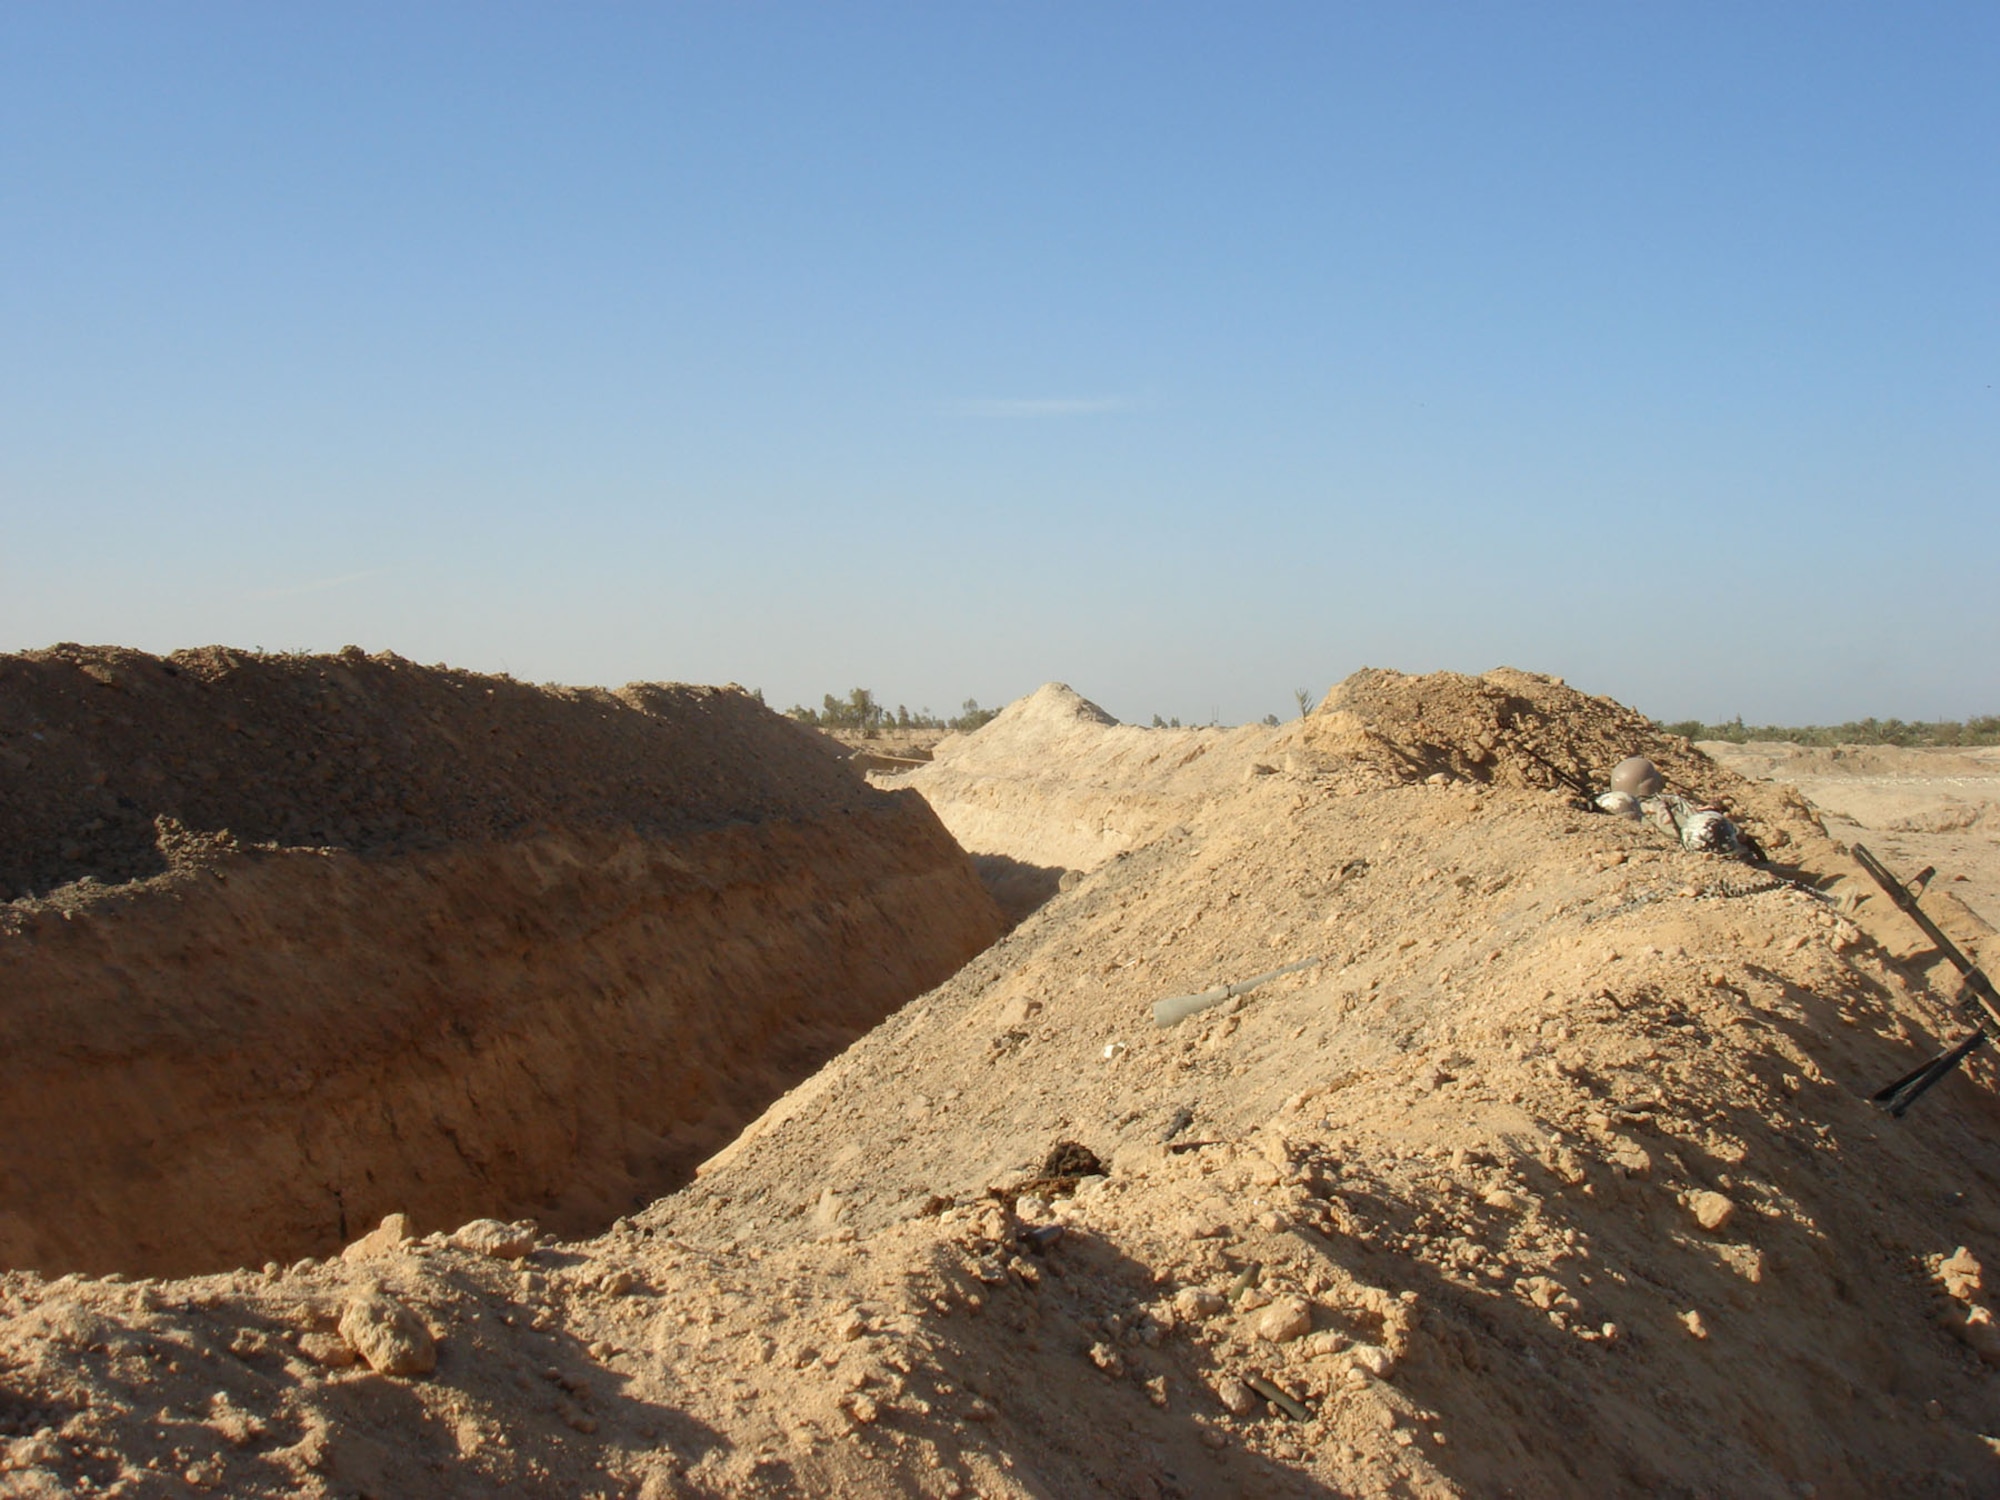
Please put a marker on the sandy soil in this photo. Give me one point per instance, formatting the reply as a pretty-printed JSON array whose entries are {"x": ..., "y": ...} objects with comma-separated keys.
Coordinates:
[
  {"x": 1553, "y": 1176},
  {"x": 539, "y": 952},
  {"x": 1915, "y": 807},
  {"x": 887, "y": 749}
]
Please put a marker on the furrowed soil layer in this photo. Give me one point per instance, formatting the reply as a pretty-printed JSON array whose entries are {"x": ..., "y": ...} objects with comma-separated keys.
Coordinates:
[
  {"x": 1552, "y": 1172},
  {"x": 298, "y": 941}
]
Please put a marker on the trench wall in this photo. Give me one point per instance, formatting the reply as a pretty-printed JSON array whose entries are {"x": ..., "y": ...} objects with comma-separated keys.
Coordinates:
[
  {"x": 547, "y": 951},
  {"x": 258, "y": 1059}
]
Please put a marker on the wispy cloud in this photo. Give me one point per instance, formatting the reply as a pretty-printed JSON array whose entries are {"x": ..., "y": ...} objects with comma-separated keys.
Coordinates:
[
  {"x": 318, "y": 585},
  {"x": 1043, "y": 406}
]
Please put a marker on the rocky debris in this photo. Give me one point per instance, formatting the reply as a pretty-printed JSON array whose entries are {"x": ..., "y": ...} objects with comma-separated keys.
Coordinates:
[
  {"x": 328, "y": 1349},
  {"x": 1711, "y": 1210},
  {"x": 1980, "y": 1330},
  {"x": 1373, "y": 1360},
  {"x": 1194, "y": 1303},
  {"x": 1967, "y": 1311},
  {"x": 1236, "y": 1397},
  {"x": 1632, "y": 1160},
  {"x": 1285, "y": 1319},
  {"x": 1961, "y": 1275},
  {"x": 385, "y": 1333},
  {"x": 388, "y": 1237},
  {"x": 501, "y": 1241}
]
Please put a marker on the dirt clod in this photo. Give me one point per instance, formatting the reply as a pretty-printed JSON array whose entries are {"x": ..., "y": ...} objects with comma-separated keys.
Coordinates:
[
  {"x": 385, "y": 1333},
  {"x": 1286, "y": 1319},
  {"x": 501, "y": 1241},
  {"x": 1711, "y": 1210}
]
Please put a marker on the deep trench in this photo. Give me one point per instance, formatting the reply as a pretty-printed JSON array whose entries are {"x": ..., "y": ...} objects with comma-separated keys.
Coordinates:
[{"x": 289, "y": 943}]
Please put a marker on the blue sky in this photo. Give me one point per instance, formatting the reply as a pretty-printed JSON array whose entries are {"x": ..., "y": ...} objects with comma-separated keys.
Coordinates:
[{"x": 1189, "y": 354}]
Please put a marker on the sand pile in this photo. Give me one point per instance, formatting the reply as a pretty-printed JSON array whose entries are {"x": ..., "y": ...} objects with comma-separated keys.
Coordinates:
[
  {"x": 1504, "y": 729},
  {"x": 313, "y": 939},
  {"x": 368, "y": 754},
  {"x": 1055, "y": 782},
  {"x": 1553, "y": 1177}
]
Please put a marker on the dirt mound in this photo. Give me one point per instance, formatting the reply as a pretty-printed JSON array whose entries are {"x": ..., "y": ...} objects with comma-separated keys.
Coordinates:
[
  {"x": 1050, "y": 709},
  {"x": 370, "y": 754},
  {"x": 542, "y": 951},
  {"x": 1056, "y": 783},
  {"x": 1506, "y": 728},
  {"x": 1554, "y": 1175}
]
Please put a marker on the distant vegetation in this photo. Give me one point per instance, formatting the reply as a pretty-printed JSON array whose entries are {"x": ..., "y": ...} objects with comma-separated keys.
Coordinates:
[
  {"x": 859, "y": 710},
  {"x": 1982, "y": 731}
]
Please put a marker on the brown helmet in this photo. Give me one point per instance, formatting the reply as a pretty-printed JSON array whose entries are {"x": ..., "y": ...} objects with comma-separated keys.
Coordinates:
[{"x": 1637, "y": 777}]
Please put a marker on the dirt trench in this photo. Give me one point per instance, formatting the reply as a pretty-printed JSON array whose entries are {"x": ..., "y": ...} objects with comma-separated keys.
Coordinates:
[{"x": 260, "y": 1050}]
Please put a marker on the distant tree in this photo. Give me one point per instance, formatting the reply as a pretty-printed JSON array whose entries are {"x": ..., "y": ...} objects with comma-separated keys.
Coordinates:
[
  {"x": 858, "y": 710},
  {"x": 973, "y": 717},
  {"x": 1304, "y": 698},
  {"x": 1871, "y": 731},
  {"x": 1158, "y": 722},
  {"x": 1270, "y": 721}
]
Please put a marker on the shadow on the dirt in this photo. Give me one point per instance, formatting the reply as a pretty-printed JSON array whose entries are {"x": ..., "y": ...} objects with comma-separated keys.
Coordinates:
[
  {"x": 1062, "y": 1318},
  {"x": 1508, "y": 1382},
  {"x": 1017, "y": 888}
]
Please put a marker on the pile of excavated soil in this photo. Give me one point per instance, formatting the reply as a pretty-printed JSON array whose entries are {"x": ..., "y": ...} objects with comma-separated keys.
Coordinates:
[
  {"x": 372, "y": 754},
  {"x": 1553, "y": 1176},
  {"x": 1505, "y": 729},
  {"x": 1055, "y": 783},
  {"x": 301, "y": 940}
]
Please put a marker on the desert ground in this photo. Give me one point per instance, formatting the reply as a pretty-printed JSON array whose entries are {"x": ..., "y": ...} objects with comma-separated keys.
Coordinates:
[
  {"x": 1914, "y": 807},
  {"x": 421, "y": 1083}
]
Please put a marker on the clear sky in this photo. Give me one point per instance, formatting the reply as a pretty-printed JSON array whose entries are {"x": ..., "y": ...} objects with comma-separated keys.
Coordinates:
[{"x": 1187, "y": 353}]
